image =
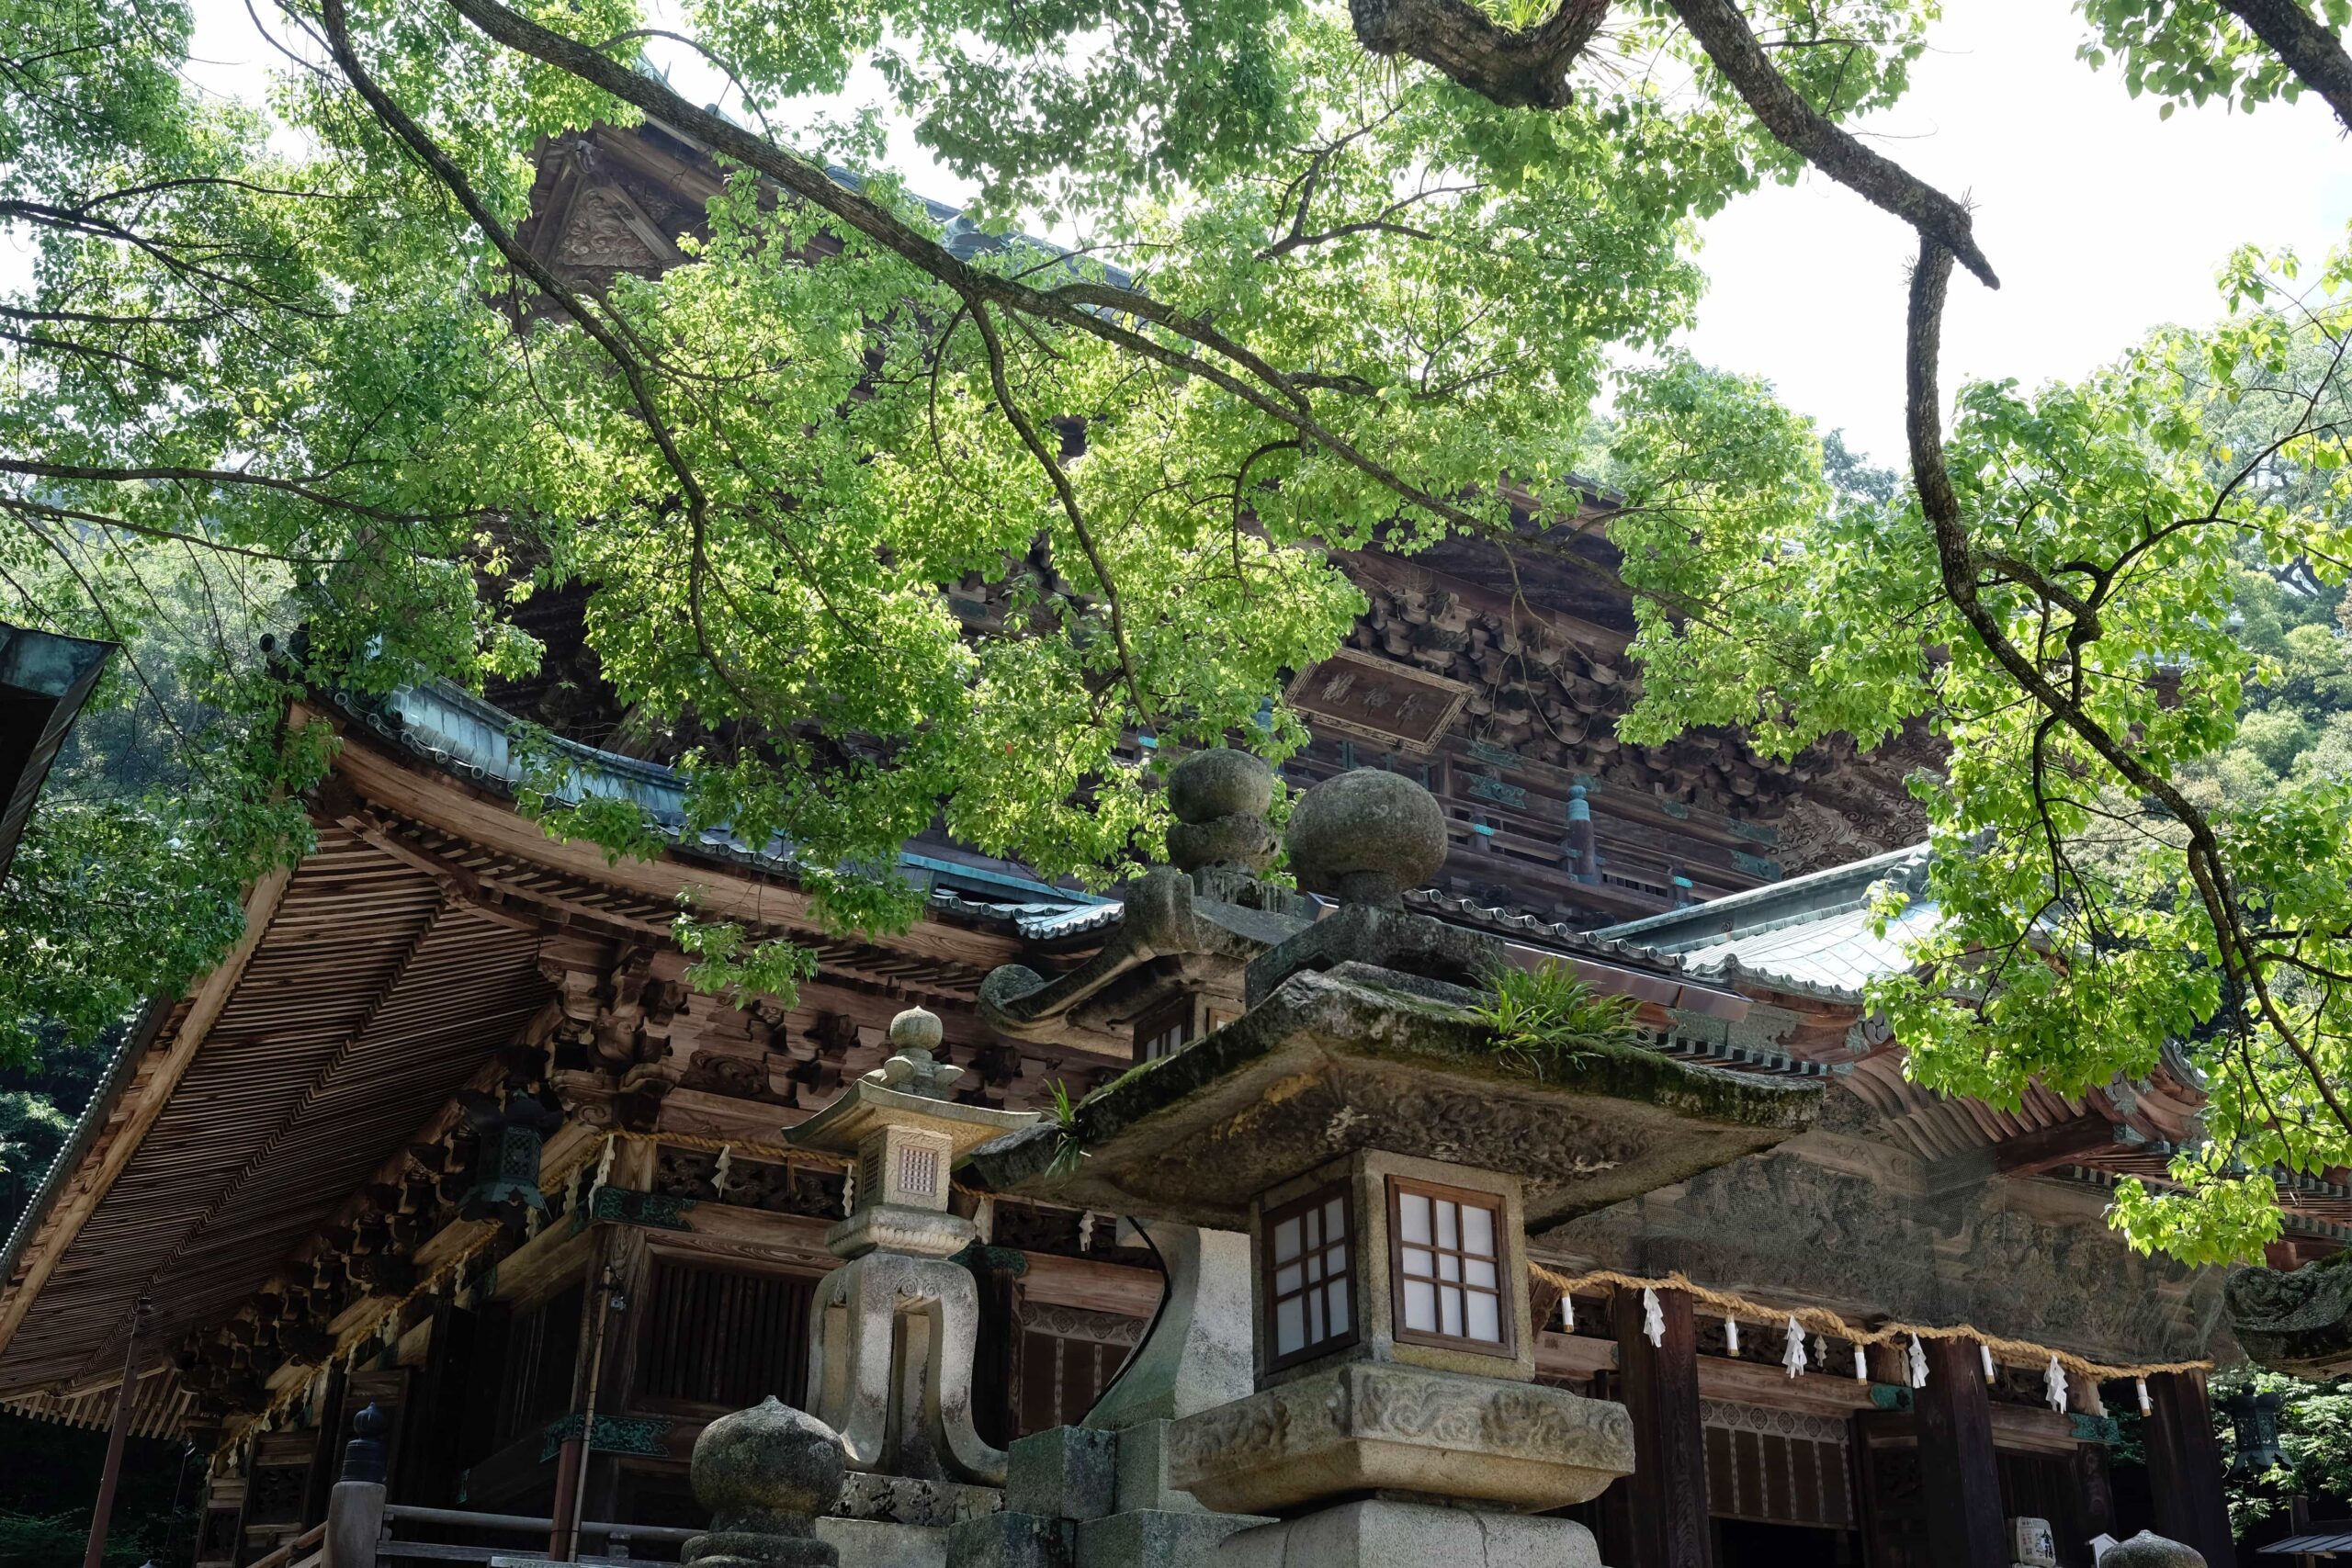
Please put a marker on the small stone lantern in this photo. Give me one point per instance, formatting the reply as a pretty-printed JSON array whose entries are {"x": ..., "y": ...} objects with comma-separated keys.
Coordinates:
[
  {"x": 895, "y": 1326},
  {"x": 766, "y": 1474}
]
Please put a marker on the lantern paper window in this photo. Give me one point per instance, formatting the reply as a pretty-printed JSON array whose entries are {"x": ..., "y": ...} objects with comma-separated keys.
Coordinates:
[
  {"x": 1448, "y": 1273},
  {"x": 1309, "y": 1306},
  {"x": 1165, "y": 1031}
]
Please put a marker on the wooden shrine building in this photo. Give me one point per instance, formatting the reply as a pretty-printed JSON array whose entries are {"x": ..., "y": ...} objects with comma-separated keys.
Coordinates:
[{"x": 448, "y": 1135}]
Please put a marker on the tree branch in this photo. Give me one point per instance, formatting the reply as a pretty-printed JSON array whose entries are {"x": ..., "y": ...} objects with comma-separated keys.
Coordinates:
[
  {"x": 1521, "y": 68},
  {"x": 193, "y": 541},
  {"x": 2310, "y": 52},
  {"x": 101, "y": 474},
  {"x": 1090, "y": 307},
  {"x": 1067, "y": 496},
  {"x": 453, "y": 178},
  {"x": 2240, "y": 958},
  {"x": 1724, "y": 34}
]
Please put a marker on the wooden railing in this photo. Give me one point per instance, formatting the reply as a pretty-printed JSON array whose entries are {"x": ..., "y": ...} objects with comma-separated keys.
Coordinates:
[
  {"x": 288, "y": 1554},
  {"x": 619, "y": 1538}
]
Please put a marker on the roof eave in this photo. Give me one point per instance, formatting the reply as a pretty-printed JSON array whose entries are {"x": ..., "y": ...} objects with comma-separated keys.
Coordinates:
[
  {"x": 1704, "y": 922},
  {"x": 51, "y": 676},
  {"x": 120, "y": 1071}
]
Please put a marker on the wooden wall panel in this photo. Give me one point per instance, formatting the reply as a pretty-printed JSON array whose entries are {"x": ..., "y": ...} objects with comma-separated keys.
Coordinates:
[
  {"x": 722, "y": 1336},
  {"x": 542, "y": 1352}
]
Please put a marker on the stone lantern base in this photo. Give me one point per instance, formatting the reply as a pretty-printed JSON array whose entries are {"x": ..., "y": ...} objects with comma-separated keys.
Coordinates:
[
  {"x": 1085, "y": 1497},
  {"x": 1369, "y": 1426},
  {"x": 1380, "y": 1533}
]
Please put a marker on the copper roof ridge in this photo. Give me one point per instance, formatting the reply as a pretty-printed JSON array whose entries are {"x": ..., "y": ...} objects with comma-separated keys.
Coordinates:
[{"x": 1870, "y": 868}]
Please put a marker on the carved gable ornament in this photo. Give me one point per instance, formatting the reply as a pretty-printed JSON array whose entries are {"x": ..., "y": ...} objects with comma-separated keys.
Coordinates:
[
  {"x": 1375, "y": 699},
  {"x": 608, "y": 230}
]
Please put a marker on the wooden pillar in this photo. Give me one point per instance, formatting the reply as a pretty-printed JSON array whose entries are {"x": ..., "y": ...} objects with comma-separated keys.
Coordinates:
[
  {"x": 434, "y": 1435},
  {"x": 326, "y": 1452},
  {"x": 996, "y": 1269},
  {"x": 1660, "y": 1386},
  {"x": 1960, "y": 1481},
  {"x": 2185, "y": 1467},
  {"x": 629, "y": 1276},
  {"x": 571, "y": 1458},
  {"x": 110, "y": 1474}
]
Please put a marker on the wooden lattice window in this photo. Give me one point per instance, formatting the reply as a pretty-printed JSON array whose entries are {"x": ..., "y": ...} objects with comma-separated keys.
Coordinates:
[
  {"x": 274, "y": 1494},
  {"x": 1445, "y": 1267},
  {"x": 1778, "y": 1467},
  {"x": 1309, "y": 1294},
  {"x": 542, "y": 1357},
  {"x": 216, "y": 1540}
]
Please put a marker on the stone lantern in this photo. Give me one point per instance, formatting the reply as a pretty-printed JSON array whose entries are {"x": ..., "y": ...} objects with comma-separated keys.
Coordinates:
[
  {"x": 894, "y": 1328},
  {"x": 2149, "y": 1550},
  {"x": 1386, "y": 1165}
]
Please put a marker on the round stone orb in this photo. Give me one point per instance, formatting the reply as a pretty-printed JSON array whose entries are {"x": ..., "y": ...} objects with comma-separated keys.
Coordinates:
[
  {"x": 917, "y": 1029},
  {"x": 1222, "y": 782},
  {"x": 2148, "y": 1549},
  {"x": 764, "y": 1468},
  {"x": 1366, "y": 836}
]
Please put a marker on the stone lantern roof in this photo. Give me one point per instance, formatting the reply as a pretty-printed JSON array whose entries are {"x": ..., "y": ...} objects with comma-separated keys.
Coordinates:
[
  {"x": 1367, "y": 1029},
  {"x": 908, "y": 1090},
  {"x": 1360, "y": 1056}
]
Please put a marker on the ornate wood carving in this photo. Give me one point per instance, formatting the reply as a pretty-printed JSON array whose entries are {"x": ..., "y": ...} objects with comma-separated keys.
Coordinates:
[
  {"x": 1356, "y": 693},
  {"x": 1792, "y": 1222}
]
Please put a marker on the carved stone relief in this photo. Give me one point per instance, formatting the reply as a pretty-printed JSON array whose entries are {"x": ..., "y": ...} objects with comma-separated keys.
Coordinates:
[{"x": 1782, "y": 1223}]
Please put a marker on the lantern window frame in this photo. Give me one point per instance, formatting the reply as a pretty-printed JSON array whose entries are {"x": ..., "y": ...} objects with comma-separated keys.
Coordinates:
[
  {"x": 1351, "y": 1238},
  {"x": 1506, "y": 1343}
]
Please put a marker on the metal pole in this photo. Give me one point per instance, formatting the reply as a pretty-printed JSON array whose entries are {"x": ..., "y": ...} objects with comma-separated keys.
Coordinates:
[
  {"x": 112, "y": 1474},
  {"x": 571, "y": 1459},
  {"x": 612, "y": 1285}
]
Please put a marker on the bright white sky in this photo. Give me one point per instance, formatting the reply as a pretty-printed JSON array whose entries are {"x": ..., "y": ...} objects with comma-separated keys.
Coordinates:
[{"x": 2102, "y": 221}]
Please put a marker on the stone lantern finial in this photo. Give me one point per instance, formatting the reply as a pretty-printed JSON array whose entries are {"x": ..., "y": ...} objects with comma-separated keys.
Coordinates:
[
  {"x": 917, "y": 1029},
  {"x": 1220, "y": 799},
  {"x": 1365, "y": 837},
  {"x": 766, "y": 1474},
  {"x": 913, "y": 1067}
]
